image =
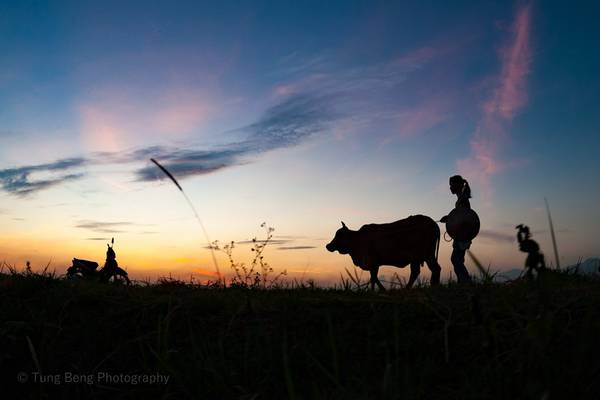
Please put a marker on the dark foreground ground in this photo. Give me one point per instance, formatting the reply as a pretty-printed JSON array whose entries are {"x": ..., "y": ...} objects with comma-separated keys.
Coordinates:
[{"x": 511, "y": 341}]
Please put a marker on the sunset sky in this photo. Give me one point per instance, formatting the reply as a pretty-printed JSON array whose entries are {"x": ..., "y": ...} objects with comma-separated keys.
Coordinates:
[{"x": 297, "y": 114}]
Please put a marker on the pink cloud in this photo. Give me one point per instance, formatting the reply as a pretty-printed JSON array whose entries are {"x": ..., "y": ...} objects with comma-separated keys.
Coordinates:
[
  {"x": 182, "y": 111},
  {"x": 508, "y": 97},
  {"x": 420, "y": 118},
  {"x": 114, "y": 119},
  {"x": 311, "y": 82},
  {"x": 284, "y": 90},
  {"x": 99, "y": 130},
  {"x": 511, "y": 94},
  {"x": 418, "y": 57}
]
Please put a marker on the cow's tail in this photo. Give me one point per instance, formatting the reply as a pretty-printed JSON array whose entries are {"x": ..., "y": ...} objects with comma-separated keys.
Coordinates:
[{"x": 437, "y": 245}]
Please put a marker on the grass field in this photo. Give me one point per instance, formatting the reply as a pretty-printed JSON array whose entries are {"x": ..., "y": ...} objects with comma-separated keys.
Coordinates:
[{"x": 521, "y": 340}]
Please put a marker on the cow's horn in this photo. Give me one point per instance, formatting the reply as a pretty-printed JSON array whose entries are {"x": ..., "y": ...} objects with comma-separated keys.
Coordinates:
[{"x": 343, "y": 224}]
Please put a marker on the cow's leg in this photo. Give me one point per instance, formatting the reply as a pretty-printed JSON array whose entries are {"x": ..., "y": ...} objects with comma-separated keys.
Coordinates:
[
  {"x": 375, "y": 280},
  {"x": 435, "y": 269},
  {"x": 415, "y": 270}
]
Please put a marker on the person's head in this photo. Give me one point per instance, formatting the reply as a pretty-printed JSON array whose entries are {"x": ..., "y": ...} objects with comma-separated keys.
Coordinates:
[{"x": 459, "y": 185}]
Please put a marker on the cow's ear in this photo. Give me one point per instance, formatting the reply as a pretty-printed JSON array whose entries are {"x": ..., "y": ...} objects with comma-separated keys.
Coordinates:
[{"x": 344, "y": 225}]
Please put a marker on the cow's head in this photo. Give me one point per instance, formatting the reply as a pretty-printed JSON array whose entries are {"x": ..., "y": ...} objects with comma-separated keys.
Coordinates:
[{"x": 341, "y": 241}]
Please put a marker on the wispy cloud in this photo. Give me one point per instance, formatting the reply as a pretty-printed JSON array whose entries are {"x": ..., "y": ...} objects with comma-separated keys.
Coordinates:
[
  {"x": 508, "y": 97},
  {"x": 186, "y": 163},
  {"x": 23, "y": 180},
  {"x": 420, "y": 56},
  {"x": 296, "y": 247},
  {"x": 323, "y": 72},
  {"x": 104, "y": 227},
  {"x": 286, "y": 124},
  {"x": 293, "y": 237},
  {"x": 327, "y": 76},
  {"x": 389, "y": 95},
  {"x": 272, "y": 241},
  {"x": 291, "y": 121}
]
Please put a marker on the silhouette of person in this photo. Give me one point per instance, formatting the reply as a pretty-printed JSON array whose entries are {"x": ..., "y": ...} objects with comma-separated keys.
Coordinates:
[
  {"x": 111, "y": 267},
  {"x": 535, "y": 259},
  {"x": 460, "y": 187}
]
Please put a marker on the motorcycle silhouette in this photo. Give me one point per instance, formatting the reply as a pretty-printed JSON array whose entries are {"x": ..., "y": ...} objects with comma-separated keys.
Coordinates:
[{"x": 85, "y": 269}]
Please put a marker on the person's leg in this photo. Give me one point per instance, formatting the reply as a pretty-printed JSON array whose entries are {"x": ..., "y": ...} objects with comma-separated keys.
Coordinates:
[{"x": 458, "y": 261}]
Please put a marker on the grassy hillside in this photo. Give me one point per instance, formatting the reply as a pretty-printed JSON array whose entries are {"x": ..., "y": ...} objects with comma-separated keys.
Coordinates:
[{"x": 519, "y": 340}]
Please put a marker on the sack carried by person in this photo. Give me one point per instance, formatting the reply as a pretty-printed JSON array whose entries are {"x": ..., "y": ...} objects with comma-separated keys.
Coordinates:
[{"x": 463, "y": 224}]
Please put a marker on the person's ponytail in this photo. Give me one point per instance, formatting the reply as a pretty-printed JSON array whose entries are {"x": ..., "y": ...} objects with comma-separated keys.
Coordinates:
[{"x": 467, "y": 189}]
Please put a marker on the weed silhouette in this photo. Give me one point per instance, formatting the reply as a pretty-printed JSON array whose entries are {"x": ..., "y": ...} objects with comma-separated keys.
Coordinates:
[
  {"x": 258, "y": 274},
  {"x": 535, "y": 260}
]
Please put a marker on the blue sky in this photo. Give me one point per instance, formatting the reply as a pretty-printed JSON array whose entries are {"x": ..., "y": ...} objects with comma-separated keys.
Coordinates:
[{"x": 300, "y": 115}]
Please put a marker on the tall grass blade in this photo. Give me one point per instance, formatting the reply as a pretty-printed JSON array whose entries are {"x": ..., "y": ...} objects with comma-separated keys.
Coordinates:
[
  {"x": 212, "y": 251},
  {"x": 552, "y": 234},
  {"x": 163, "y": 169},
  {"x": 482, "y": 270}
]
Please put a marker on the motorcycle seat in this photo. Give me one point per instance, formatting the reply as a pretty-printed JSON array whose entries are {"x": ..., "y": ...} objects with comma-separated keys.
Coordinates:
[{"x": 85, "y": 263}]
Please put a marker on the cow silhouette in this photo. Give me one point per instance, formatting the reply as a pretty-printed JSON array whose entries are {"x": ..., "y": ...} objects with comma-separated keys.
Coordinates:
[{"x": 410, "y": 241}]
